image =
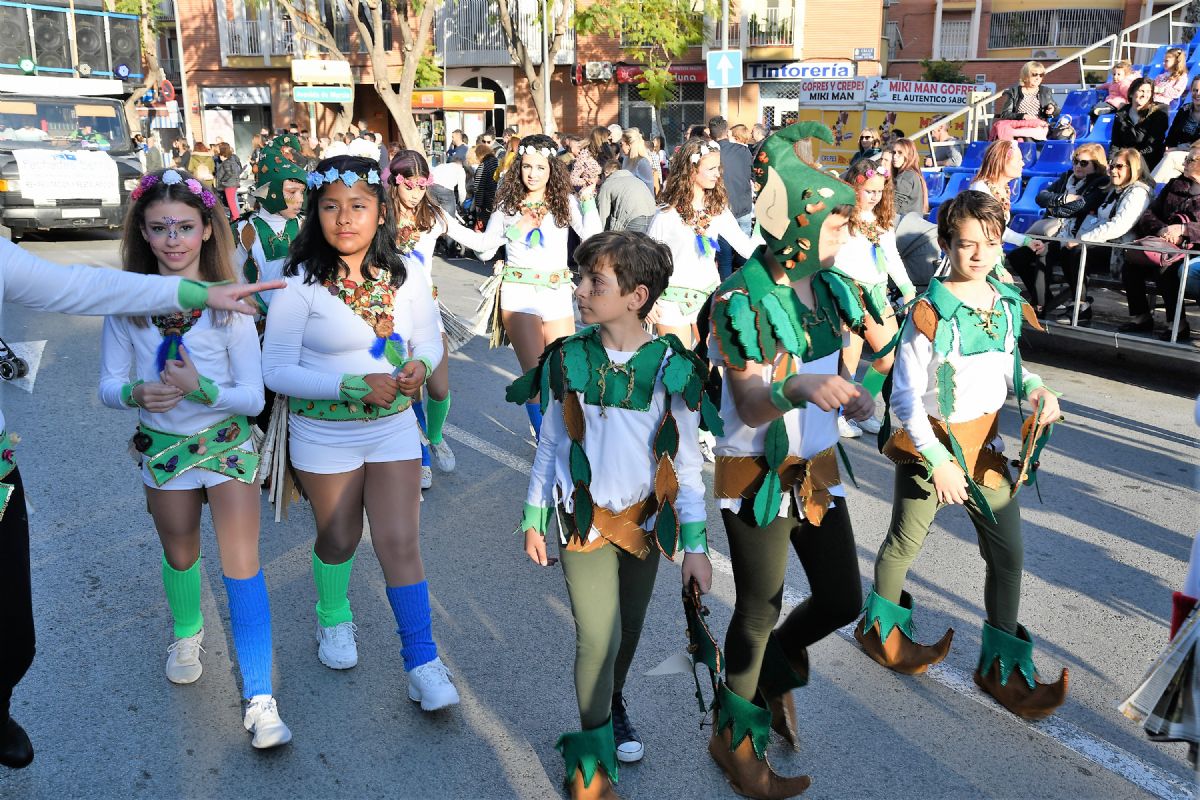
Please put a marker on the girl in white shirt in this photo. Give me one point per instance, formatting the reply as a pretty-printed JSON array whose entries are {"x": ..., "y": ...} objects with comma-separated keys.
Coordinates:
[
  {"x": 534, "y": 208},
  {"x": 350, "y": 342},
  {"x": 196, "y": 378},
  {"x": 694, "y": 216},
  {"x": 868, "y": 259}
]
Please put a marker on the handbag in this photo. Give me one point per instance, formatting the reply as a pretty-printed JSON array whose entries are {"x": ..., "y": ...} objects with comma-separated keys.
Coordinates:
[{"x": 1159, "y": 258}]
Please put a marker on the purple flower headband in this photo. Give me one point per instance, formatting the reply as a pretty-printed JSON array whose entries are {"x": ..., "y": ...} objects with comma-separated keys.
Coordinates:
[{"x": 170, "y": 178}]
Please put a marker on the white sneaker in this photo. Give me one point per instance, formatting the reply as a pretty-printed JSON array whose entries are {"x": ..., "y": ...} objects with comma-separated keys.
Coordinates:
[
  {"x": 183, "y": 659},
  {"x": 847, "y": 429},
  {"x": 426, "y": 477},
  {"x": 429, "y": 685},
  {"x": 869, "y": 425},
  {"x": 443, "y": 455},
  {"x": 262, "y": 719},
  {"x": 336, "y": 647}
]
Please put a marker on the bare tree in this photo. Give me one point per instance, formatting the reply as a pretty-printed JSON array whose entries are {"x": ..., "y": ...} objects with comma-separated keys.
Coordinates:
[
  {"x": 309, "y": 28},
  {"x": 522, "y": 52}
]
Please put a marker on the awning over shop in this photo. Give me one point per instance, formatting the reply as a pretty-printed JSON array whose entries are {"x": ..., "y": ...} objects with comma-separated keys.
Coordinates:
[
  {"x": 452, "y": 98},
  {"x": 684, "y": 73}
]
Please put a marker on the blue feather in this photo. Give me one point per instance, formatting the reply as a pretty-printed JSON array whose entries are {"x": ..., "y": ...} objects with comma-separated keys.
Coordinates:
[
  {"x": 165, "y": 348},
  {"x": 417, "y": 254},
  {"x": 377, "y": 347},
  {"x": 716, "y": 246}
]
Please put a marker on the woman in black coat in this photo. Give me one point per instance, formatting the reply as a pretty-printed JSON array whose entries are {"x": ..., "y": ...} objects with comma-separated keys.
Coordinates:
[{"x": 1142, "y": 124}]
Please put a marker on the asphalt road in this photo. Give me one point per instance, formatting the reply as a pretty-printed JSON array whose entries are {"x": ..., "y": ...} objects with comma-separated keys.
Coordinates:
[{"x": 1104, "y": 550}]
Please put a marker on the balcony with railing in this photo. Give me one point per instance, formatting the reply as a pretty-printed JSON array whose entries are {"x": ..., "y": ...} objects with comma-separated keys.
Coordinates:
[
  {"x": 770, "y": 27},
  {"x": 468, "y": 34},
  {"x": 263, "y": 35},
  {"x": 712, "y": 37}
]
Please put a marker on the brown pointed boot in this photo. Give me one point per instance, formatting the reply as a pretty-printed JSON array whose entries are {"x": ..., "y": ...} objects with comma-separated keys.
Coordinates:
[
  {"x": 595, "y": 751},
  {"x": 1006, "y": 672},
  {"x": 897, "y": 651},
  {"x": 601, "y": 787},
  {"x": 747, "y": 771},
  {"x": 777, "y": 677}
]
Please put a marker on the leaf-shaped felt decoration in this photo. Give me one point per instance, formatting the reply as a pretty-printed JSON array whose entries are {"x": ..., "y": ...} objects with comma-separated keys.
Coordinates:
[
  {"x": 767, "y": 499},
  {"x": 781, "y": 324},
  {"x": 573, "y": 416},
  {"x": 584, "y": 511},
  {"x": 775, "y": 445},
  {"x": 943, "y": 339},
  {"x": 676, "y": 373},
  {"x": 581, "y": 468},
  {"x": 693, "y": 390},
  {"x": 523, "y": 388},
  {"x": 945, "y": 389},
  {"x": 392, "y": 351},
  {"x": 575, "y": 362},
  {"x": 666, "y": 440},
  {"x": 846, "y": 297},
  {"x": 666, "y": 531},
  {"x": 725, "y": 336},
  {"x": 711, "y": 417},
  {"x": 744, "y": 322},
  {"x": 666, "y": 482}
]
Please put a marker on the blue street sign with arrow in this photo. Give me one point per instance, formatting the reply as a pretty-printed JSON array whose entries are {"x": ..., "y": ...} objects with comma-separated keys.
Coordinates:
[{"x": 724, "y": 69}]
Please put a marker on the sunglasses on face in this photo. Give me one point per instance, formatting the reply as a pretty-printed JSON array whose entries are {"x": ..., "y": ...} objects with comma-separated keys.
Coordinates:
[
  {"x": 1036, "y": 74},
  {"x": 867, "y": 139},
  {"x": 1118, "y": 165},
  {"x": 1082, "y": 162}
]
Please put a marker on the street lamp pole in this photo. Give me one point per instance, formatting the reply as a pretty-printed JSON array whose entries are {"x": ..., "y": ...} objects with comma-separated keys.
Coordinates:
[
  {"x": 547, "y": 70},
  {"x": 725, "y": 46}
]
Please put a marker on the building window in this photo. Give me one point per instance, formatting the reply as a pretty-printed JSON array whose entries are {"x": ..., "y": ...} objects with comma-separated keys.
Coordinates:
[
  {"x": 1052, "y": 27},
  {"x": 685, "y": 110},
  {"x": 956, "y": 36},
  {"x": 895, "y": 40}
]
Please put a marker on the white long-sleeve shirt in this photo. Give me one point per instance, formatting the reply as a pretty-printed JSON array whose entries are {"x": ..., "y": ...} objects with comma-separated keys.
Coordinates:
[
  {"x": 1010, "y": 236},
  {"x": 856, "y": 259},
  {"x": 553, "y": 251},
  {"x": 227, "y": 355},
  {"x": 1113, "y": 221},
  {"x": 981, "y": 381},
  {"x": 443, "y": 226},
  {"x": 620, "y": 449},
  {"x": 692, "y": 269},
  {"x": 37, "y": 283},
  {"x": 267, "y": 270}
]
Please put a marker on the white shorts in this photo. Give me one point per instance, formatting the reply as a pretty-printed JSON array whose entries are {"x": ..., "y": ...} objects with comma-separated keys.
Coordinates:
[
  {"x": 326, "y": 447},
  {"x": 671, "y": 314},
  {"x": 194, "y": 478},
  {"x": 541, "y": 301}
]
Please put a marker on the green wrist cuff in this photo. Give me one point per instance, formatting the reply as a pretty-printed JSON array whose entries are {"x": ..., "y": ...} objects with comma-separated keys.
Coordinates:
[
  {"x": 127, "y": 394},
  {"x": 587, "y": 205},
  {"x": 693, "y": 537},
  {"x": 354, "y": 387},
  {"x": 536, "y": 517},
  {"x": 428, "y": 368},
  {"x": 1026, "y": 241},
  {"x": 779, "y": 398},
  {"x": 193, "y": 294},
  {"x": 206, "y": 393},
  {"x": 907, "y": 289},
  {"x": 935, "y": 455},
  {"x": 1031, "y": 383}
]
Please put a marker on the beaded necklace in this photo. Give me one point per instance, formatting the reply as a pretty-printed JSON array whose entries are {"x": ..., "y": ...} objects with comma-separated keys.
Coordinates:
[
  {"x": 370, "y": 300},
  {"x": 706, "y": 245},
  {"x": 1001, "y": 192},
  {"x": 408, "y": 236},
  {"x": 172, "y": 327}
]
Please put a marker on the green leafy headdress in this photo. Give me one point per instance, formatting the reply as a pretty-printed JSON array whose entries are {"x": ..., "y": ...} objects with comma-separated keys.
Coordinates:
[
  {"x": 272, "y": 169},
  {"x": 794, "y": 198}
]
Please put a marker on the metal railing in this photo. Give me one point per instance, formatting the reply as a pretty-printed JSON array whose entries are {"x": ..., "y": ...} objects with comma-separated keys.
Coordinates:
[
  {"x": 468, "y": 34},
  {"x": 1051, "y": 27},
  {"x": 244, "y": 36},
  {"x": 771, "y": 28},
  {"x": 713, "y": 39}
]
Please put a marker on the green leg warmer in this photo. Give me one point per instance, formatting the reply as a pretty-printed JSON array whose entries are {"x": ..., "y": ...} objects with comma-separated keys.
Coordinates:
[
  {"x": 873, "y": 381},
  {"x": 589, "y": 749},
  {"x": 333, "y": 581},
  {"x": 436, "y": 412},
  {"x": 1014, "y": 652},
  {"x": 889, "y": 614},
  {"x": 743, "y": 718},
  {"x": 183, "y": 598}
]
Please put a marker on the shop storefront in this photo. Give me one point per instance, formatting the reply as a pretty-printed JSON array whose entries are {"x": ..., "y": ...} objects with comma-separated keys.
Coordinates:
[
  {"x": 235, "y": 114},
  {"x": 677, "y": 116},
  {"x": 780, "y": 85},
  {"x": 440, "y": 110}
]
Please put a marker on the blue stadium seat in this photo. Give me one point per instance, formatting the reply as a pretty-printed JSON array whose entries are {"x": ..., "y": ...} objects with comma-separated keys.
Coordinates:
[
  {"x": 954, "y": 184},
  {"x": 1029, "y": 152},
  {"x": 933, "y": 182},
  {"x": 1101, "y": 132},
  {"x": 1080, "y": 103},
  {"x": 1054, "y": 159},
  {"x": 1021, "y": 222},
  {"x": 972, "y": 158},
  {"x": 1027, "y": 204},
  {"x": 1159, "y": 56},
  {"x": 1153, "y": 71}
]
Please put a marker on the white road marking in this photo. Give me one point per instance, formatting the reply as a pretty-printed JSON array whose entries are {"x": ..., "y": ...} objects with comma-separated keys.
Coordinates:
[
  {"x": 1107, "y": 756},
  {"x": 31, "y": 352}
]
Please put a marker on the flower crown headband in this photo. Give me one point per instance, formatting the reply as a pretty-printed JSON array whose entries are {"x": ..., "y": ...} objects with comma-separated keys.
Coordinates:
[
  {"x": 705, "y": 149},
  {"x": 331, "y": 175},
  {"x": 412, "y": 183},
  {"x": 882, "y": 172},
  {"x": 170, "y": 178},
  {"x": 546, "y": 152}
]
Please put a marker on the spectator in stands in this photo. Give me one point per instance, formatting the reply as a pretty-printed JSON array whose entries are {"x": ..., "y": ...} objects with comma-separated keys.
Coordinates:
[
  {"x": 1024, "y": 110},
  {"x": 1142, "y": 124},
  {"x": 1170, "y": 85},
  {"x": 1117, "y": 89},
  {"x": 1126, "y": 198},
  {"x": 911, "y": 195},
  {"x": 449, "y": 187},
  {"x": 1001, "y": 165},
  {"x": 869, "y": 146},
  {"x": 741, "y": 135},
  {"x": 944, "y": 150},
  {"x": 483, "y": 188},
  {"x": 697, "y": 132},
  {"x": 508, "y": 156},
  {"x": 156, "y": 157},
  {"x": 896, "y": 135},
  {"x": 1076, "y": 193},
  {"x": 1185, "y": 129},
  {"x": 624, "y": 202},
  {"x": 1179, "y": 198},
  {"x": 758, "y": 135},
  {"x": 228, "y": 177}
]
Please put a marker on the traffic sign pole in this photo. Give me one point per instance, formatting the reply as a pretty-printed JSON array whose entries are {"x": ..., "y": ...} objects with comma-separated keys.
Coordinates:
[{"x": 725, "y": 46}]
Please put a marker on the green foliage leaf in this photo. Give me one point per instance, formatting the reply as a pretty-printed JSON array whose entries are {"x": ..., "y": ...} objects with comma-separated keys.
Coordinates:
[
  {"x": 943, "y": 71},
  {"x": 520, "y": 390},
  {"x": 744, "y": 321},
  {"x": 429, "y": 73}
]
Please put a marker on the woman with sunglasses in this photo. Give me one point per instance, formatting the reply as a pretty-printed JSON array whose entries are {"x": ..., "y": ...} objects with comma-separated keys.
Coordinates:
[
  {"x": 869, "y": 146},
  {"x": 1142, "y": 124},
  {"x": 1075, "y": 194},
  {"x": 1024, "y": 110},
  {"x": 1127, "y": 195}
]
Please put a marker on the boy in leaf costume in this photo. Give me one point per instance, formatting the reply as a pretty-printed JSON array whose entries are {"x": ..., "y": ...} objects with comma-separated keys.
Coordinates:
[
  {"x": 619, "y": 462},
  {"x": 777, "y": 331},
  {"x": 956, "y": 358},
  {"x": 264, "y": 237}
]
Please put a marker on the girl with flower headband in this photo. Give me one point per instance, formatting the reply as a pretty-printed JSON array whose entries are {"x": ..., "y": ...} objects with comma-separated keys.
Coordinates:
[
  {"x": 419, "y": 223},
  {"x": 867, "y": 260},
  {"x": 351, "y": 342},
  {"x": 535, "y": 207},
  {"x": 693, "y": 216},
  {"x": 195, "y": 378}
]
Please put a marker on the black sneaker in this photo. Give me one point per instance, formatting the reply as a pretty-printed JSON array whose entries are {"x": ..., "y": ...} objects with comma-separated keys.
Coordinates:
[{"x": 629, "y": 744}]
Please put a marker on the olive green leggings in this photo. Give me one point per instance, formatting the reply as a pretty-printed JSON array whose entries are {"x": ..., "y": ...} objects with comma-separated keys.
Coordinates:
[
  {"x": 760, "y": 558},
  {"x": 914, "y": 505},
  {"x": 610, "y": 590}
]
